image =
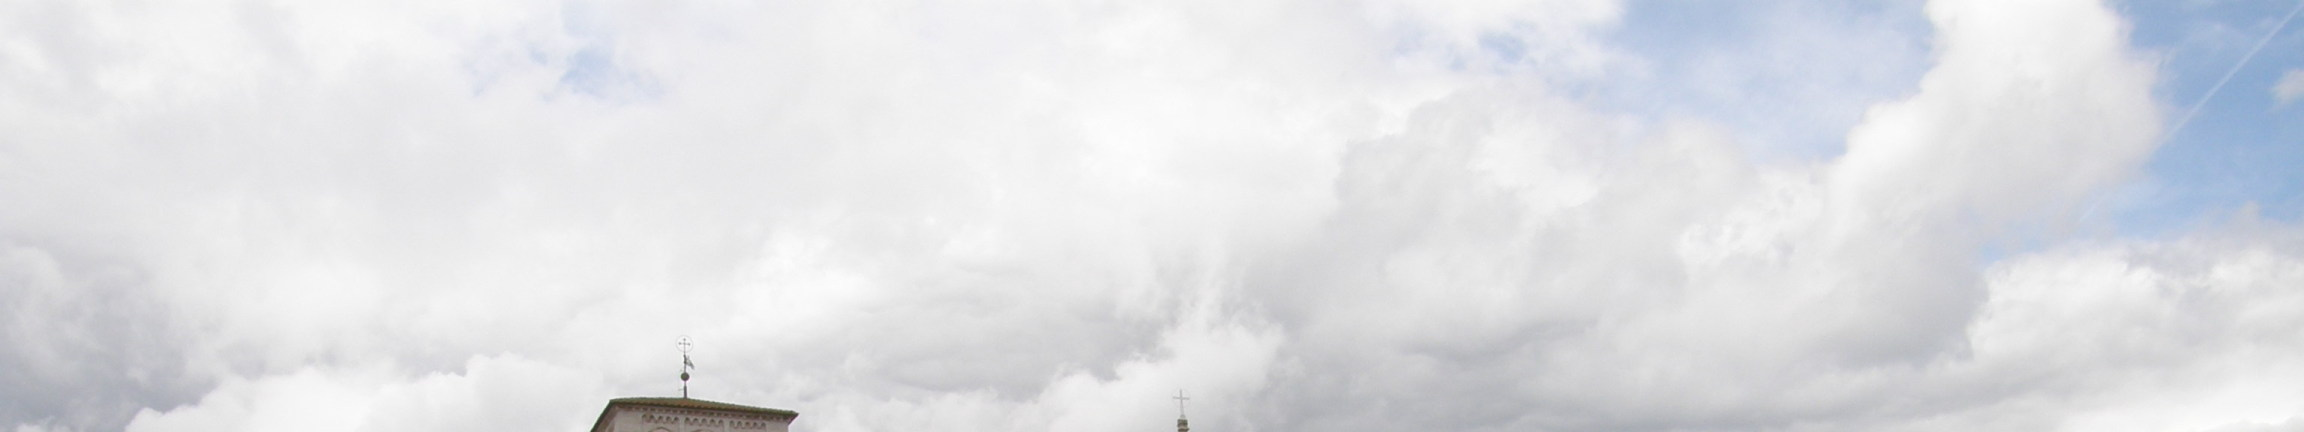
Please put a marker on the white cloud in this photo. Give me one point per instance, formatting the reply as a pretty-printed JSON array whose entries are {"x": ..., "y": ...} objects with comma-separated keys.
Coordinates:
[
  {"x": 1028, "y": 216},
  {"x": 489, "y": 393},
  {"x": 2181, "y": 335},
  {"x": 2290, "y": 87}
]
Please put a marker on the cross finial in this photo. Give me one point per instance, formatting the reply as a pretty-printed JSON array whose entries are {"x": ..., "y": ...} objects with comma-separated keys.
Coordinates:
[
  {"x": 685, "y": 365},
  {"x": 1180, "y": 402}
]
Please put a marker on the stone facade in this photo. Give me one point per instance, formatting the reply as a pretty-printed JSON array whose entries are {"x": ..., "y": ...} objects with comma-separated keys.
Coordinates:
[{"x": 689, "y": 415}]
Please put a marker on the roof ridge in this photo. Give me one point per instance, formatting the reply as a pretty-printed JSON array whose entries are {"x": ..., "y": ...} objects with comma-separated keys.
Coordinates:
[{"x": 689, "y": 403}]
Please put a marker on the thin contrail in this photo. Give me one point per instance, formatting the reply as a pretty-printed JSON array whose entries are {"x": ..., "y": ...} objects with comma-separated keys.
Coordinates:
[{"x": 2229, "y": 73}]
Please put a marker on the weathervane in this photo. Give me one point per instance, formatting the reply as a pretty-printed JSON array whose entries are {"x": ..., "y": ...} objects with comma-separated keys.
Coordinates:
[{"x": 685, "y": 365}]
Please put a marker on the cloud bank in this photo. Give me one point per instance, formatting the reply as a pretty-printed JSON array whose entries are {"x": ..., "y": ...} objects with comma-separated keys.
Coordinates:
[{"x": 1026, "y": 215}]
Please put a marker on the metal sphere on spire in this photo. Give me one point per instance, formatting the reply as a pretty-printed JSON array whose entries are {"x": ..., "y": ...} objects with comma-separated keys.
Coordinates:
[{"x": 685, "y": 364}]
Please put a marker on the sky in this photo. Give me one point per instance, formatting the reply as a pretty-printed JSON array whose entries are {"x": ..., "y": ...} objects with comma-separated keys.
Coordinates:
[{"x": 1025, "y": 215}]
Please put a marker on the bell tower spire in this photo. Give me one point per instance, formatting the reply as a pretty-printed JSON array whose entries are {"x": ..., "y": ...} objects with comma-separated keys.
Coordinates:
[{"x": 1181, "y": 425}]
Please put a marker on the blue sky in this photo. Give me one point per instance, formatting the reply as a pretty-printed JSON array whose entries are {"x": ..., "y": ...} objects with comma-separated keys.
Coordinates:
[
  {"x": 2242, "y": 148},
  {"x": 1793, "y": 96},
  {"x": 1793, "y": 76}
]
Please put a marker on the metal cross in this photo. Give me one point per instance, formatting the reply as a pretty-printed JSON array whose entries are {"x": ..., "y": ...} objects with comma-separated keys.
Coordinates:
[
  {"x": 1180, "y": 402},
  {"x": 685, "y": 365}
]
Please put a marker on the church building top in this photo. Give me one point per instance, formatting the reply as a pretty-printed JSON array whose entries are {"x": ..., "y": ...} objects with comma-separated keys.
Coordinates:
[
  {"x": 683, "y": 414},
  {"x": 674, "y": 414}
]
